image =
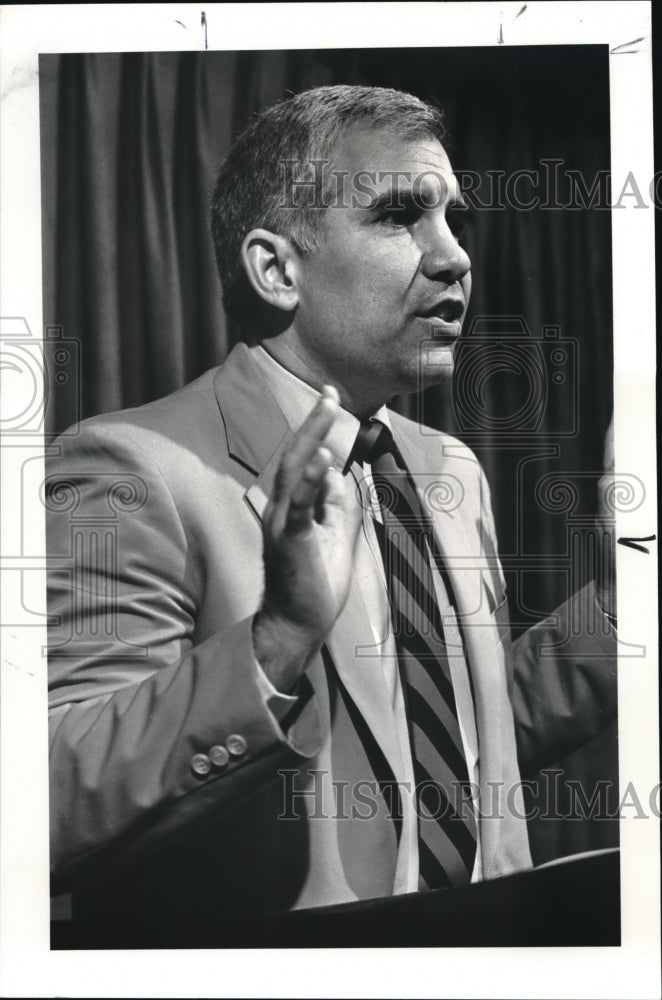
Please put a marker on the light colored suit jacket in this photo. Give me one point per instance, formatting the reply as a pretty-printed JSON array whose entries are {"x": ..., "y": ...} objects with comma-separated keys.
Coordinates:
[{"x": 155, "y": 545}]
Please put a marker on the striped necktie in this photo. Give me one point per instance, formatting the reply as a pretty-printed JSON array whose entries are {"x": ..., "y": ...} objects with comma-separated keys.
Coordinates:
[{"x": 446, "y": 821}]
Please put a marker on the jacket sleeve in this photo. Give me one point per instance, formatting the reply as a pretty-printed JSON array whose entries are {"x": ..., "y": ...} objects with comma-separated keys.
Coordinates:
[
  {"x": 565, "y": 687},
  {"x": 561, "y": 672},
  {"x": 133, "y": 696}
]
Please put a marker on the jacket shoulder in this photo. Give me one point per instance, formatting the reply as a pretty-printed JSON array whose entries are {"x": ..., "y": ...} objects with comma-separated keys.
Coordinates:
[
  {"x": 436, "y": 442},
  {"x": 182, "y": 419}
]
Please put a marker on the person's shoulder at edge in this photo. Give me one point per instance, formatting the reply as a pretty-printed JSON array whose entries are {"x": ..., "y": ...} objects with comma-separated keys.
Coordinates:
[
  {"x": 172, "y": 434},
  {"x": 147, "y": 415}
]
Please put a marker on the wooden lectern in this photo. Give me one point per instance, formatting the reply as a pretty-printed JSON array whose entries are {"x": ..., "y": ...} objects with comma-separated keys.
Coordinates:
[{"x": 575, "y": 901}]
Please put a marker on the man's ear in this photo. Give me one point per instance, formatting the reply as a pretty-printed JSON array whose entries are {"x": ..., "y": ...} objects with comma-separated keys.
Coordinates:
[{"x": 270, "y": 264}]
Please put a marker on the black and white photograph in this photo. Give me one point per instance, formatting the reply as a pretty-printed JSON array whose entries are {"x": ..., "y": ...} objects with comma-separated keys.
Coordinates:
[{"x": 334, "y": 527}]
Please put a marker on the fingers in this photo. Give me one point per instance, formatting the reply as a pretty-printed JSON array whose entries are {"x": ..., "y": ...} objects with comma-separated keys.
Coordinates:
[
  {"x": 305, "y": 444},
  {"x": 305, "y": 496},
  {"x": 299, "y": 482}
]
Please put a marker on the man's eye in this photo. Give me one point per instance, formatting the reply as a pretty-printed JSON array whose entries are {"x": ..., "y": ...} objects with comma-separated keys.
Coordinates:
[{"x": 400, "y": 216}]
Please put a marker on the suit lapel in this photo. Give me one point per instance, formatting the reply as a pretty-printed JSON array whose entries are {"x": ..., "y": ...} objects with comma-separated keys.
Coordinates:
[
  {"x": 359, "y": 664},
  {"x": 460, "y": 547},
  {"x": 254, "y": 423},
  {"x": 451, "y": 531},
  {"x": 257, "y": 432}
]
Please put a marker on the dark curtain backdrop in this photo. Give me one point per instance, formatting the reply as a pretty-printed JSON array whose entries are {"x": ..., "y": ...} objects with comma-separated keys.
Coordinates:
[{"x": 130, "y": 143}]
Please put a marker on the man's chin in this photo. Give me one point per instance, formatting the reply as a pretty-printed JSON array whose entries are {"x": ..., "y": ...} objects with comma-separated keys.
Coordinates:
[{"x": 436, "y": 363}]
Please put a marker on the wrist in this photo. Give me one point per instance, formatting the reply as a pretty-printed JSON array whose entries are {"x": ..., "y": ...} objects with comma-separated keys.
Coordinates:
[{"x": 282, "y": 648}]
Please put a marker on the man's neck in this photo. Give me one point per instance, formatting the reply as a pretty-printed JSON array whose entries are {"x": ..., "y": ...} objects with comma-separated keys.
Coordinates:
[{"x": 284, "y": 355}]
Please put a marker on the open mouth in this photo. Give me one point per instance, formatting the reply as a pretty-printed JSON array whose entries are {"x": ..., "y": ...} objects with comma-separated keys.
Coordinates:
[
  {"x": 447, "y": 312},
  {"x": 445, "y": 320}
]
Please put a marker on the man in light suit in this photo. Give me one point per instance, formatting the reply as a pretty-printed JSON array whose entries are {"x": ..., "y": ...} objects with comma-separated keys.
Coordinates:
[{"x": 228, "y": 713}]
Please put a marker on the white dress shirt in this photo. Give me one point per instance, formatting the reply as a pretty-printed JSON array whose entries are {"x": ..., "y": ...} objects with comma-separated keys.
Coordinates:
[{"x": 296, "y": 399}]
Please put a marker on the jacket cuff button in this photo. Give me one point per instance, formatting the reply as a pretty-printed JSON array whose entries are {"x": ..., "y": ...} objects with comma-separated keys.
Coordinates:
[
  {"x": 219, "y": 756},
  {"x": 200, "y": 765},
  {"x": 236, "y": 745}
]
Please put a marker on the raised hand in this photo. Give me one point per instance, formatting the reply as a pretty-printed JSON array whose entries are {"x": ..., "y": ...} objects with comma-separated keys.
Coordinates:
[{"x": 310, "y": 528}]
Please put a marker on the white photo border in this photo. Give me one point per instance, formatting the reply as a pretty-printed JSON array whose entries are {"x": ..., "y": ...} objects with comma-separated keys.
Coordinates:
[{"x": 29, "y": 968}]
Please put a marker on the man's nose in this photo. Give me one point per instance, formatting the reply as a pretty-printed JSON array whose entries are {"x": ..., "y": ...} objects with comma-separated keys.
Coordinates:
[{"x": 443, "y": 257}]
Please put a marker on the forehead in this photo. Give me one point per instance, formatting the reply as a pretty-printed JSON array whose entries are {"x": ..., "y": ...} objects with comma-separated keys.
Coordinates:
[{"x": 391, "y": 159}]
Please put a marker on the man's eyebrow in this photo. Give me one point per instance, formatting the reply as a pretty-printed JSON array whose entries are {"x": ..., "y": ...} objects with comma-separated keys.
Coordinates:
[
  {"x": 398, "y": 198},
  {"x": 394, "y": 197}
]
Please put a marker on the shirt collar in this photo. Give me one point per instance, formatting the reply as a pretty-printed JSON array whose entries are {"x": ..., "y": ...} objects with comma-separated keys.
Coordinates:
[{"x": 296, "y": 399}]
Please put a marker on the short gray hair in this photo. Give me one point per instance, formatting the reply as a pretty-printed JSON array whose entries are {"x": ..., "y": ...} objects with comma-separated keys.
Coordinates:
[{"x": 259, "y": 184}]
